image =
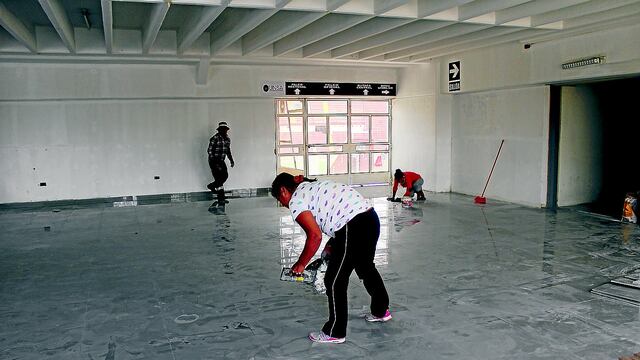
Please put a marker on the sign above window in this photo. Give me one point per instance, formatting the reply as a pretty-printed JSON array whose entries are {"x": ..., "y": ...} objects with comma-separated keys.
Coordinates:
[{"x": 339, "y": 89}]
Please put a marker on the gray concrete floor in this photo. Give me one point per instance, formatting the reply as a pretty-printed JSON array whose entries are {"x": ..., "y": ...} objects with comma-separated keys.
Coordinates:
[{"x": 175, "y": 281}]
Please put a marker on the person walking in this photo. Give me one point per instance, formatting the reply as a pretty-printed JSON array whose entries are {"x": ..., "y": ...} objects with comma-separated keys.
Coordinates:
[
  {"x": 349, "y": 219},
  {"x": 219, "y": 149},
  {"x": 411, "y": 181}
]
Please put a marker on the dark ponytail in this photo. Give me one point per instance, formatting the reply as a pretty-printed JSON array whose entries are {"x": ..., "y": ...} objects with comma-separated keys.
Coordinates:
[
  {"x": 289, "y": 181},
  {"x": 398, "y": 175}
]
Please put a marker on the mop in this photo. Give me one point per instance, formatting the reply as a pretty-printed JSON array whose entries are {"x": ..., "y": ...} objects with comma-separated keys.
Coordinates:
[{"x": 481, "y": 199}]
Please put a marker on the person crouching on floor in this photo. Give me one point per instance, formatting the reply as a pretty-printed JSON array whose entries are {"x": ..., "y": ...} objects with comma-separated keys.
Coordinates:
[{"x": 411, "y": 181}]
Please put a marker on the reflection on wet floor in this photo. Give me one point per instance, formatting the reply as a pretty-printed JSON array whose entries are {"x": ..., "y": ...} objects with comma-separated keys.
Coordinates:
[{"x": 186, "y": 281}]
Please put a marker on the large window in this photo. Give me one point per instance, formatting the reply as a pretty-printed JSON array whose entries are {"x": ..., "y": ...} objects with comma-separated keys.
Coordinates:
[{"x": 321, "y": 137}]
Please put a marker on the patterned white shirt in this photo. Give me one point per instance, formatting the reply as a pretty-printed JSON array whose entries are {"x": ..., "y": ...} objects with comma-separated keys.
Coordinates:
[{"x": 331, "y": 204}]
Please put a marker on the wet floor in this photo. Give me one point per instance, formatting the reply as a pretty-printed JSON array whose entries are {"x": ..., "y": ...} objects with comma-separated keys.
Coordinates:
[{"x": 186, "y": 281}]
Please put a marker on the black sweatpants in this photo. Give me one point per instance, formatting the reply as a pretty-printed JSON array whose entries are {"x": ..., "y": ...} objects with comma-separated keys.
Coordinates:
[
  {"x": 219, "y": 172},
  {"x": 353, "y": 247}
]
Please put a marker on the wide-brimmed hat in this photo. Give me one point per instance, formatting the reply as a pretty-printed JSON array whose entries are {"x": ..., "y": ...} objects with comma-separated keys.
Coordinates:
[{"x": 222, "y": 124}]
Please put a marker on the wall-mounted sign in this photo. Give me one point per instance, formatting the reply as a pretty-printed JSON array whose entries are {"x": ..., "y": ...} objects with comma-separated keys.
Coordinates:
[
  {"x": 272, "y": 88},
  {"x": 454, "y": 76},
  {"x": 339, "y": 89}
]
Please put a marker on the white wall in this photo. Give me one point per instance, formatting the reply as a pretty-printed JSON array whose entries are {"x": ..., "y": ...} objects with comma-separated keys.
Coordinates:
[
  {"x": 580, "y": 153},
  {"x": 503, "y": 95},
  {"x": 95, "y": 130},
  {"x": 510, "y": 65},
  {"x": 481, "y": 120},
  {"x": 414, "y": 123}
]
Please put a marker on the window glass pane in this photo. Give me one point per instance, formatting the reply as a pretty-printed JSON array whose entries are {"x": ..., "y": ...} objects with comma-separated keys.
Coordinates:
[
  {"x": 289, "y": 150},
  {"x": 380, "y": 162},
  {"x": 289, "y": 106},
  {"x": 359, "y": 163},
  {"x": 290, "y": 130},
  {"x": 338, "y": 130},
  {"x": 317, "y": 130},
  {"x": 318, "y": 149},
  {"x": 359, "y": 129},
  {"x": 379, "y": 129},
  {"x": 317, "y": 165},
  {"x": 372, "y": 148},
  {"x": 338, "y": 164},
  {"x": 292, "y": 162},
  {"x": 327, "y": 106},
  {"x": 369, "y": 107}
]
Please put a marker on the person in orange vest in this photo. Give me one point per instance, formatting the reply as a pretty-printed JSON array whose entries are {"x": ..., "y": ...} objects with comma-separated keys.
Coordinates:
[
  {"x": 411, "y": 181},
  {"x": 629, "y": 209}
]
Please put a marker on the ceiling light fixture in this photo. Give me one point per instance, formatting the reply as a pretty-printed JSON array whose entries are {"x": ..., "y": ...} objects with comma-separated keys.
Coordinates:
[{"x": 594, "y": 60}]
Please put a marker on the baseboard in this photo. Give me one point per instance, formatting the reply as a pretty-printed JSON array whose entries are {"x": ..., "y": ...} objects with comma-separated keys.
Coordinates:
[{"x": 131, "y": 200}]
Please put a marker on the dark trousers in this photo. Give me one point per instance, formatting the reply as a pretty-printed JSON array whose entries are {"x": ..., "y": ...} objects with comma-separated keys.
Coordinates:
[
  {"x": 219, "y": 172},
  {"x": 353, "y": 247}
]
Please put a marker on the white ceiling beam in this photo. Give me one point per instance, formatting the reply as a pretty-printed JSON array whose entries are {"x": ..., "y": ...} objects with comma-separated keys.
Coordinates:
[
  {"x": 470, "y": 38},
  {"x": 612, "y": 14},
  {"x": 107, "y": 24},
  {"x": 277, "y": 27},
  {"x": 60, "y": 21},
  {"x": 591, "y": 28},
  {"x": 190, "y": 2},
  {"x": 235, "y": 28},
  {"x": 400, "y": 33},
  {"x": 430, "y": 7},
  {"x": 153, "y": 24},
  {"x": 432, "y": 36},
  {"x": 179, "y": 2},
  {"x": 533, "y": 8},
  {"x": 335, "y": 4},
  {"x": 482, "y": 7},
  {"x": 17, "y": 29},
  {"x": 361, "y": 31},
  {"x": 578, "y": 10},
  {"x": 326, "y": 26},
  {"x": 197, "y": 25},
  {"x": 513, "y": 37},
  {"x": 383, "y": 6}
]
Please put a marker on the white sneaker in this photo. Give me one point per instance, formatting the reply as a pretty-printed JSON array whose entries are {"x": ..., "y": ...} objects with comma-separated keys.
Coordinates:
[
  {"x": 321, "y": 337},
  {"x": 371, "y": 318}
]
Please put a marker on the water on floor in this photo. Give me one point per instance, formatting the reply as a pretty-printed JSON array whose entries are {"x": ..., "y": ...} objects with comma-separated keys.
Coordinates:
[{"x": 195, "y": 281}]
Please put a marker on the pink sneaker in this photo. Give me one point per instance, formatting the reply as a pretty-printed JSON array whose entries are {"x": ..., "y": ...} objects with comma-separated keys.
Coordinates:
[
  {"x": 371, "y": 318},
  {"x": 321, "y": 337}
]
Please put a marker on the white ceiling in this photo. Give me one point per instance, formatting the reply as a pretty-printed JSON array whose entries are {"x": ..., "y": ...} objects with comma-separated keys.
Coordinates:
[{"x": 392, "y": 32}]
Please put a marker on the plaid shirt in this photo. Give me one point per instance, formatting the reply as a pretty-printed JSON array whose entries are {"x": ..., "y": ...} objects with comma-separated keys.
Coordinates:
[{"x": 219, "y": 147}]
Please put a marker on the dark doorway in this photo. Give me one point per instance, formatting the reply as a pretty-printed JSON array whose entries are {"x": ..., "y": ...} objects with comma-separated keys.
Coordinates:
[
  {"x": 620, "y": 143},
  {"x": 608, "y": 169}
]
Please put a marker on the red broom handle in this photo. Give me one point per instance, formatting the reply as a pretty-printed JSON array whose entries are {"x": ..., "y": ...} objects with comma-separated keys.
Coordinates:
[{"x": 494, "y": 165}]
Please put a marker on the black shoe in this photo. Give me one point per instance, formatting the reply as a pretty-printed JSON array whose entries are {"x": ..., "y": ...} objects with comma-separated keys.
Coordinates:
[{"x": 210, "y": 187}]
